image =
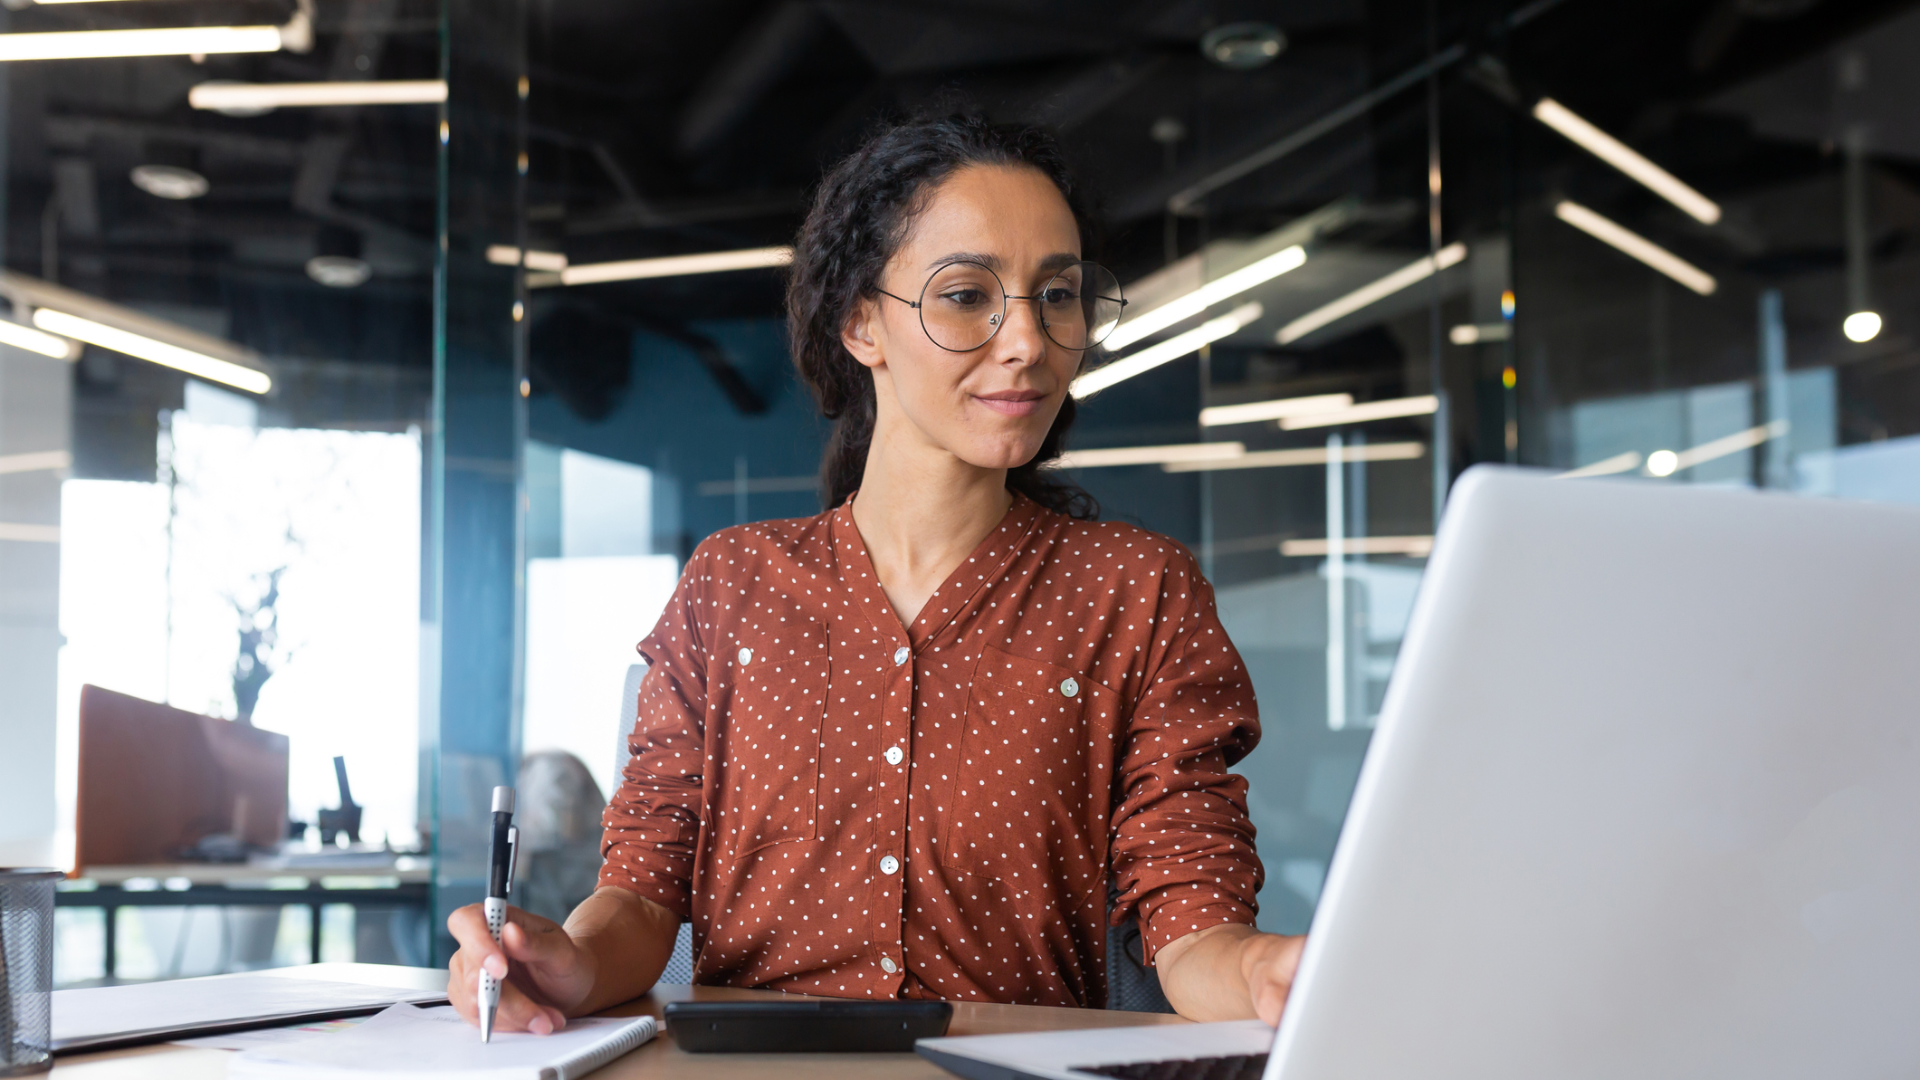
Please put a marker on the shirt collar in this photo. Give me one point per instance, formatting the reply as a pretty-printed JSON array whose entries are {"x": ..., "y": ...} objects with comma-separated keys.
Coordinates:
[{"x": 987, "y": 562}]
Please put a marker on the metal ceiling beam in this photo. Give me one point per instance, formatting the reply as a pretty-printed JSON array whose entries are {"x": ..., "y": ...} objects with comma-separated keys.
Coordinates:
[
  {"x": 76, "y": 132},
  {"x": 1188, "y": 199},
  {"x": 356, "y": 57},
  {"x": 753, "y": 65},
  {"x": 683, "y": 212}
]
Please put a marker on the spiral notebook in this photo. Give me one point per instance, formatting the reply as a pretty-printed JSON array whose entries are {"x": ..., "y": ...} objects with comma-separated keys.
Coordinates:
[{"x": 410, "y": 1042}]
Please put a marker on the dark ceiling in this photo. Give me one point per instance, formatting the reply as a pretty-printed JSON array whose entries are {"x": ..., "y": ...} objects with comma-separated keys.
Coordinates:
[{"x": 661, "y": 126}]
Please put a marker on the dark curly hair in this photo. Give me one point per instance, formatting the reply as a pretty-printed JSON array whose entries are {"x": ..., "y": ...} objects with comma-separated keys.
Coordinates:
[{"x": 859, "y": 217}]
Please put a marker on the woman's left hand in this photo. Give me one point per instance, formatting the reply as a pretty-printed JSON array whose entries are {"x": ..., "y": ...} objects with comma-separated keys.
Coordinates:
[
  {"x": 1268, "y": 963},
  {"x": 1229, "y": 972}
]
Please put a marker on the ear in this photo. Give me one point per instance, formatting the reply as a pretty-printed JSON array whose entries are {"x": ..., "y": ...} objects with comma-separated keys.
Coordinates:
[{"x": 861, "y": 334}]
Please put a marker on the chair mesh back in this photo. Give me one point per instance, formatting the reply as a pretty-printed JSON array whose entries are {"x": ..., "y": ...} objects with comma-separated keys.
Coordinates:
[
  {"x": 1131, "y": 985},
  {"x": 680, "y": 965}
]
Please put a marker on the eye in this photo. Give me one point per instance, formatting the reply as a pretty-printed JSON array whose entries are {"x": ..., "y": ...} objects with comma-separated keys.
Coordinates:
[
  {"x": 1059, "y": 295},
  {"x": 965, "y": 296}
]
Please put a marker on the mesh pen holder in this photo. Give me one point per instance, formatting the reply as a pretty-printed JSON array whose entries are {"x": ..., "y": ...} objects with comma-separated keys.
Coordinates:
[{"x": 26, "y": 970}]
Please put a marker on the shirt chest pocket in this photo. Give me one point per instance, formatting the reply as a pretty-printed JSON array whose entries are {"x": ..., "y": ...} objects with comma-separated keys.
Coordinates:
[
  {"x": 770, "y": 761},
  {"x": 1031, "y": 797}
]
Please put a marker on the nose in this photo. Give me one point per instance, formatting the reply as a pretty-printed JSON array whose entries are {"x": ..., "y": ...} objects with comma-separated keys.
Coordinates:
[{"x": 1021, "y": 340}]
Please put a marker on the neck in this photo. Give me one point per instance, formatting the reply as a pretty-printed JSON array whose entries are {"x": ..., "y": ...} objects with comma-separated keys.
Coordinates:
[{"x": 921, "y": 511}]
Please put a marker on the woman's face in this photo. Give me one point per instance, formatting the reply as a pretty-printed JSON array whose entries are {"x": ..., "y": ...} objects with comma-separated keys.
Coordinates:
[{"x": 991, "y": 406}]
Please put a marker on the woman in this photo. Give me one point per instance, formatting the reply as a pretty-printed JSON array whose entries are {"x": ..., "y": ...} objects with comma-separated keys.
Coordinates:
[{"x": 900, "y": 749}]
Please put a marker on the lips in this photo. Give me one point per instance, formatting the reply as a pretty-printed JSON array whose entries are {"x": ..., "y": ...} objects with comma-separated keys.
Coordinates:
[{"x": 1012, "y": 402}]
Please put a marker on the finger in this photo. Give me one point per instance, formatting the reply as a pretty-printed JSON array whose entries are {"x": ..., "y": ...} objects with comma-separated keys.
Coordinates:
[
  {"x": 1270, "y": 984},
  {"x": 468, "y": 925},
  {"x": 519, "y": 1012},
  {"x": 536, "y": 945},
  {"x": 1270, "y": 1000},
  {"x": 460, "y": 977}
]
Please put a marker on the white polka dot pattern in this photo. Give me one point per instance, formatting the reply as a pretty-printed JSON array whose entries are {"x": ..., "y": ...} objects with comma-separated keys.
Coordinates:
[{"x": 843, "y": 805}]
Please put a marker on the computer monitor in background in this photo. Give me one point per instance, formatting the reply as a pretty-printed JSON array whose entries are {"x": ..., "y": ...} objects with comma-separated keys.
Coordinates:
[{"x": 155, "y": 781}]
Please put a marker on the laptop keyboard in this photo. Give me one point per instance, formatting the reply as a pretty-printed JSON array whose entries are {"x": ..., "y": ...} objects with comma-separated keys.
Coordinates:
[{"x": 1235, "y": 1067}]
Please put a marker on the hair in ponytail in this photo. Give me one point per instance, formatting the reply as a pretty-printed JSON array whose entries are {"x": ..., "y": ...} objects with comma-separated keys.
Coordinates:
[{"x": 859, "y": 217}]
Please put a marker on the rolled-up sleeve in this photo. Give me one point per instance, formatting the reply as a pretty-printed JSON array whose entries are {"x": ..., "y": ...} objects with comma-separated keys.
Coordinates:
[
  {"x": 653, "y": 821},
  {"x": 1183, "y": 853}
]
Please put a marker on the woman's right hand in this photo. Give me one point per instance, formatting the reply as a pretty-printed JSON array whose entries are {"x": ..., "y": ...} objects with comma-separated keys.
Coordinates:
[{"x": 544, "y": 973}]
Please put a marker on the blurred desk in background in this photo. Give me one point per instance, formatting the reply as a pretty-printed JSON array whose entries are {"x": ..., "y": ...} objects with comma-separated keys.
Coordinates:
[{"x": 311, "y": 881}]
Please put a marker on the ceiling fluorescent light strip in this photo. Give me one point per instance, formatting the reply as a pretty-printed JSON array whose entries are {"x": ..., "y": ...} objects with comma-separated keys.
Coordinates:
[
  {"x": 1254, "y": 412},
  {"x": 508, "y": 255},
  {"x": 35, "y": 461},
  {"x": 1411, "y": 274},
  {"x": 1416, "y": 546},
  {"x": 1627, "y": 160},
  {"x": 317, "y": 94},
  {"x": 1307, "y": 455},
  {"x": 172, "y": 41},
  {"x": 1474, "y": 333},
  {"x": 26, "y": 337},
  {"x": 1423, "y": 405},
  {"x": 1611, "y": 466},
  {"x": 1731, "y": 444},
  {"x": 1631, "y": 243},
  {"x": 193, "y": 363},
  {"x": 1712, "y": 450},
  {"x": 712, "y": 262},
  {"x": 1169, "y": 350},
  {"x": 1225, "y": 288},
  {"x": 1107, "y": 457}
]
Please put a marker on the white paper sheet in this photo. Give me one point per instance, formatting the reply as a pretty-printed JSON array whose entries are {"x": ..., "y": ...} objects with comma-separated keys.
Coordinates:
[
  {"x": 183, "y": 1005},
  {"x": 247, "y": 1040},
  {"x": 405, "y": 1041}
]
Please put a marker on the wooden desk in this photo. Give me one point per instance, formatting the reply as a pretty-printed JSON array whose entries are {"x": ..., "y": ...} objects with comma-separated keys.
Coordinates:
[{"x": 659, "y": 1058}]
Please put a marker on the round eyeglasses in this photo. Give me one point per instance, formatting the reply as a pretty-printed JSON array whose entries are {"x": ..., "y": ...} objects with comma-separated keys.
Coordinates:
[{"x": 963, "y": 305}]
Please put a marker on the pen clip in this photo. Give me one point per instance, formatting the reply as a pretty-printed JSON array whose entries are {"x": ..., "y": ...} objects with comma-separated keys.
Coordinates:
[{"x": 513, "y": 856}]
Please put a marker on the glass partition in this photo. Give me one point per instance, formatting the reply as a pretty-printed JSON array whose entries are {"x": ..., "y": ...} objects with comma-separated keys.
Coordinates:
[
  {"x": 1739, "y": 318},
  {"x": 215, "y": 379},
  {"x": 1289, "y": 303}
]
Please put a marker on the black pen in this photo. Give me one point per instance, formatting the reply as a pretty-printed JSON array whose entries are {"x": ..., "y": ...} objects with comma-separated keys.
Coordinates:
[{"x": 500, "y": 858}]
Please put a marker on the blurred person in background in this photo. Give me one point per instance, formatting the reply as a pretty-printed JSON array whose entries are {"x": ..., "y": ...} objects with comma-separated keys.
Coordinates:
[{"x": 558, "y": 810}]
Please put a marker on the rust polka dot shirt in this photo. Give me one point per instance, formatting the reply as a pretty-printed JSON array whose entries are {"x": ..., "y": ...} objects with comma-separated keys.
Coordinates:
[{"x": 845, "y": 806}]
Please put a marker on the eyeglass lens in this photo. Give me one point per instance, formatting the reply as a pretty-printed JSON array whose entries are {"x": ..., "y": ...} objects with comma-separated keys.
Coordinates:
[{"x": 964, "y": 305}]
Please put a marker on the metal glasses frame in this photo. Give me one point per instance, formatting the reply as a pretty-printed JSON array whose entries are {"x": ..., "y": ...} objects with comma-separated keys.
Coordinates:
[{"x": 1000, "y": 320}]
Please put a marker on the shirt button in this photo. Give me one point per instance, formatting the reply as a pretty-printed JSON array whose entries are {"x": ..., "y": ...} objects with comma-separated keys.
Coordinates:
[
  {"x": 900, "y": 655},
  {"x": 1069, "y": 687},
  {"x": 894, "y": 756},
  {"x": 889, "y": 865},
  {"x": 887, "y": 965},
  {"x": 746, "y": 656}
]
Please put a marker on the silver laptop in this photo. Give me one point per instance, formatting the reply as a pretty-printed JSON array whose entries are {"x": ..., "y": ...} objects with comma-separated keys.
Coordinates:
[{"x": 1644, "y": 802}]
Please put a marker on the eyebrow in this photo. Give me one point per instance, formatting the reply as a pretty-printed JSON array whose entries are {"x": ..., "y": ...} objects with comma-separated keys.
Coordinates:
[
  {"x": 1058, "y": 260},
  {"x": 991, "y": 262}
]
